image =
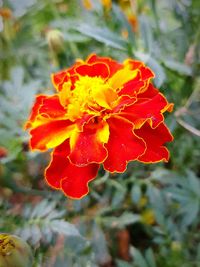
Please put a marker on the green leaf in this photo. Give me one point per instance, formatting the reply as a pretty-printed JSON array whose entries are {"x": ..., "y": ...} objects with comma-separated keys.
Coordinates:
[
  {"x": 128, "y": 218},
  {"x": 139, "y": 260},
  {"x": 121, "y": 263},
  {"x": 178, "y": 67},
  {"x": 160, "y": 75},
  {"x": 190, "y": 211},
  {"x": 146, "y": 32},
  {"x": 150, "y": 257},
  {"x": 193, "y": 182},
  {"x": 118, "y": 197},
  {"x": 136, "y": 193},
  {"x": 103, "y": 35},
  {"x": 120, "y": 17},
  {"x": 99, "y": 245},
  {"x": 154, "y": 65},
  {"x": 63, "y": 227},
  {"x": 43, "y": 209},
  {"x": 35, "y": 234}
]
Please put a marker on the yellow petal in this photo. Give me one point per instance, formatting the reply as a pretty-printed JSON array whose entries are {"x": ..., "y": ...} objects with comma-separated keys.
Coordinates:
[
  {"x": 61, "y": 137},
  {"x": 103, "y": 133},
  {"x": 121, "y": 77},
  {"x": 73, "y": 138},
  {"x": 74, "y": 111},
  {"x": 40, "y": 119},
  {"x": 65, "y": 94},
  {"x": 105, "y": 97}
]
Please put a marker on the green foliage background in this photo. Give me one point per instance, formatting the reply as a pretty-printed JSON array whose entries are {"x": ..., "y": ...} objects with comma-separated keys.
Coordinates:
[{"x": 146, "y": 217}]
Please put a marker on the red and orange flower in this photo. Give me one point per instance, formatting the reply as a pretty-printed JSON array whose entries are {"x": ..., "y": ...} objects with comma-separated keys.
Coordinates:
[{"x": 103, "y": 112}]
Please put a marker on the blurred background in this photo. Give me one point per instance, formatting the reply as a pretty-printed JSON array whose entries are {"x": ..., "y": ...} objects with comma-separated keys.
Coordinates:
[{"x": 145, "y": 217}]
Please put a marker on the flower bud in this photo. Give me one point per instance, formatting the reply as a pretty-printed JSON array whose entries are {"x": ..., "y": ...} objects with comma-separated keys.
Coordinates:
[
  {"x": 55, "y": 40},
  {"x": 148, "y": 217},
  {"x": 176, "y": 246},
  {"x": 14, "y": 252}
]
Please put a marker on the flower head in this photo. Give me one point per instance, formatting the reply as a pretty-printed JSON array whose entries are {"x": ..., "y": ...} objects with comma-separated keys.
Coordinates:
[{"x": 103, "y": 112}]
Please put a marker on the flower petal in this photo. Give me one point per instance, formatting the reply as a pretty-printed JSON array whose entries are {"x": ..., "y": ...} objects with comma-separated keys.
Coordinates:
[
  {"x": 93, "y": 70},
  {"x": 64, "y": 76},
  {"x": 105, "y": 98},
  {"x": 123, "y": 145},
  {"x": 88, "y": 146},
  {"x": 132, "y": 88},
  {"x": 62, "y": 174},
  {"x": 145, "y": 109},
  {"x": 150, "y": 92},
  {"x": 75, "y": 184},
  {"x": 45, "y": 109},
  {"x": 133, "y": 64},
  {"x": 58, "y": 77},
  {"x": 113, "y": 65},
  {"x": 35, "y": 110},
  {"x": 56, "y": 170},
  {"x": 52, "y": 107},
  {"x": 146, "y": 72},
  {"x": 51, "y": 134},
  {"x": 139, "y": 84},
  {"x": 121, "y": 77},
  {"x": 65, "y": 93},
  {"x": 155, "y": 139}
]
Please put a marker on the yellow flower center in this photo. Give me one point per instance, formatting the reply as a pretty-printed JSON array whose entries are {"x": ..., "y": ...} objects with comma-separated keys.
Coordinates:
[
  {"x": 87, "y": 89},
  {"x": 6, "y": 245},
  {"x": 90, "y": 95}
]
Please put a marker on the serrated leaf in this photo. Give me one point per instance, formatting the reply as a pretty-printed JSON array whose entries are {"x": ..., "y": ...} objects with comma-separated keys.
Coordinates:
[
  {"x": 25, "y": 233},
  {"x": 42, "y": 209},
  {"x": 17, "y": 77},
  {"x": 47, "y": 233},
  {"x": 63, "y": 227},
  {"x": 55, "y": 214},
  {"x": 35, "y": 234}
]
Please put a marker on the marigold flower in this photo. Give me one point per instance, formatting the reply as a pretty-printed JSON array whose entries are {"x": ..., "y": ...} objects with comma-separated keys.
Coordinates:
[
  {"x": 87, "y": 4},
  {"x": 106, "y": 3},
  {"x": 5, "y": 12},
  {"x": 14, "y": 252},
  {"x": 103, "y": 112}
]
